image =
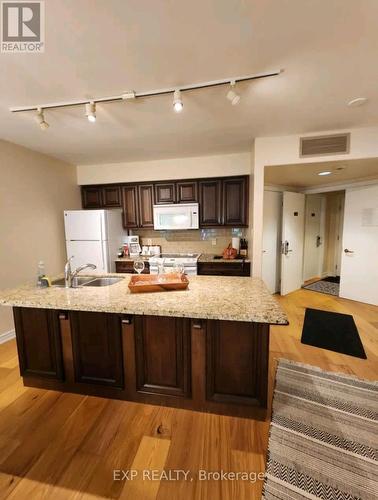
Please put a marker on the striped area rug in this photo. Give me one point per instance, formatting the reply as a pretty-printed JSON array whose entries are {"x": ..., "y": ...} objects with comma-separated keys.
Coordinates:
[{"x": 323, "y": 439}]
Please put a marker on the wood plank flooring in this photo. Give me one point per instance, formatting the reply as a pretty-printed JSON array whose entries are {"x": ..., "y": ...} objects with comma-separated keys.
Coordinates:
[{"x": 66, "y": 446}]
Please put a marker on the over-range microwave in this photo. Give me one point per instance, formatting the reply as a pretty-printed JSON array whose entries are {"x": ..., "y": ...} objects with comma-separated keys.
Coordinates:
[{"x": 179, "y": 216}]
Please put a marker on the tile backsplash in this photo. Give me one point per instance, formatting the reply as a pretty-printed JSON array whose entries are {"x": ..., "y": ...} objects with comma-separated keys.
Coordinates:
[{"x": 200, "y": 240}]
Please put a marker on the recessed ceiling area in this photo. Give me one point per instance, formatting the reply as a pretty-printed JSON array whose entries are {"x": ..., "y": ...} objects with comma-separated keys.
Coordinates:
[
  {"x": 306, "y": 175},
  {"x": 96, "y": 48}
]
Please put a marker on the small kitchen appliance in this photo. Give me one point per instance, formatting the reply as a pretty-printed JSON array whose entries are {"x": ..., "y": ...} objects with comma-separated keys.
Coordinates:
[{"x": 133, "y": 244}]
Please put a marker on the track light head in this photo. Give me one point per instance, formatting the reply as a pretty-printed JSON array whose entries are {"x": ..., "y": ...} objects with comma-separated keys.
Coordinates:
[
  {"x": 231, "y": 95},
  {"x": 177, "y": 101},
  {"x": 40, "y": 119},
  {"x": 90, "y": 111}
]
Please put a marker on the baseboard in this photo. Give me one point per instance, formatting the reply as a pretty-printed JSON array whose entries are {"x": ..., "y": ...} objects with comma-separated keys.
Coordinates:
[{"x": 4, "y": 337}]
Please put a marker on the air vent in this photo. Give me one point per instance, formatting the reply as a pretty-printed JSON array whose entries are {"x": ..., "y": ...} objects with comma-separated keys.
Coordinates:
[{"x": 324, "y": 145}]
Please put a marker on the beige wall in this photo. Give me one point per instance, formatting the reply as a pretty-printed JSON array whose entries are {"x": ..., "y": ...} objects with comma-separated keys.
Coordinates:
[
  {"x": 178, "y": 168},
  {"x": 34, "y": 191}
]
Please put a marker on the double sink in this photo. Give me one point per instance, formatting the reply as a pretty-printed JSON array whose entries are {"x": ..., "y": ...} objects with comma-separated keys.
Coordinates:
[{"x": 81, "y": 281}]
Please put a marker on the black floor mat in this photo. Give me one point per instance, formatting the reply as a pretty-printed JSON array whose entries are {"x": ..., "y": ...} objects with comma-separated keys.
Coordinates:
[
  {"x": 333, "y": 331},
  {"x": 332, "y": 279}
]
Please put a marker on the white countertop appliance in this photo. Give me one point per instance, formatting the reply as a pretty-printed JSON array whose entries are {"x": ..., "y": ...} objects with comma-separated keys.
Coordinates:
[
  {"x": 171, "y": 260},
  {"x": 178, "y": 216},
  {"x": 133, "y": 244},
  {"x": 93, "y": 236}
]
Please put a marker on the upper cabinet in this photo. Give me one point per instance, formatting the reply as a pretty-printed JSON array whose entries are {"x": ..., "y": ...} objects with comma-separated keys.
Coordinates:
[
  {"x": 235, "y": 201},
  {"x": 111, "y": 196},
  {"x": 130, "y": 206},
  {"x": 91, "y": 196},
  {"x": 222, "y": 201},
  {"x": 101, "y": 196},
  {"x": 210, "y": 199},
  {"x": 187, "y": 191},
  {"x": 146, "y": 205},
  {"x": 165, "y": 193}
]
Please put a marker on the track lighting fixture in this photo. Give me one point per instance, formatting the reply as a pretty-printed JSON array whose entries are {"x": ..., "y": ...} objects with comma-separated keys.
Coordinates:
[
  {"x": 232, "y": 96},
  {"x": 177, "y": 101},
  {"x": 40, "y": 119},
  {"x": 90, "y": 107},
  {"x": 90, "y": 111}
]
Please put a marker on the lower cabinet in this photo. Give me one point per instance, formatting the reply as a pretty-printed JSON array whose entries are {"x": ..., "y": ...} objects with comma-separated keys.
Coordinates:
[
  {"x": 235, "y": 363},
  {"x": 97, "y": 348},
  {"x": 38, "y": 342},
  {"x": 206, "y": 365},
  {"x": 162, "y": 354}
]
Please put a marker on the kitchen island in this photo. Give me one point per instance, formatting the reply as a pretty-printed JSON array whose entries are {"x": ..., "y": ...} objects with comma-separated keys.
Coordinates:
[{"x": 205, "y": 348}]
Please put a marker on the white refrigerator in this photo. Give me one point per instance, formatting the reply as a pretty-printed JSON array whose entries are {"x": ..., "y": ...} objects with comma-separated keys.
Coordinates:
[{"x": 93, "y": 237}]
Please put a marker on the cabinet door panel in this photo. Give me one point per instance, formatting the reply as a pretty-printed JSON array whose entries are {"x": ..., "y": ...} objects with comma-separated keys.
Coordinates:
[
  {"x": 165, "y": 193},
  {"x": 210, "y": 203},
  {"x": 97, "y": 348},
  {"x": 91, "y": 197},
  {"x": 130, "y": 206},
  {"x": 162, "y": 347},
  {"x": 38, "y": 342},
  {"x": 235, "y": 201},
  {"x": 235, "y": 369},
  {"x": 187, "y": 192},
  {"x": 111, "y": 197},
  {"x": 146, "y": 205}
]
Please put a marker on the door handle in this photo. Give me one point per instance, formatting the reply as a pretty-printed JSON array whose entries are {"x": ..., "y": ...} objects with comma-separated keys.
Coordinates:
[
  {"x": 285, "y": 248},
  {"x": 348, "y": 251},
  {"x": 318, "y": 241}
]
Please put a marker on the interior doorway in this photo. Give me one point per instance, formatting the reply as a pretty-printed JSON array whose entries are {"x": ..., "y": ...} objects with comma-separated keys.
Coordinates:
[{"x": 321, "y": 234}]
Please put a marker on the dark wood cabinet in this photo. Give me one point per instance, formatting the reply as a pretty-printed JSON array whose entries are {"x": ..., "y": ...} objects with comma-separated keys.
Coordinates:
[
  {"x": 236, "y": 362},
  {"x": 187, "y": 191},
  {"x": 38, "y": 342},
  {"x": 97, "y": 348},
  {"x": 235, "y": 201},
  {"x": 217, "y": 268},
  {"x": 111, "y": 197},
  {"x": 210, "y": 199},
  {"x": 162, "y": 351},
  {"x": 130, "y": 206},
  {"x": 165, "y": 193},
  {"x": 146, "y": 205},
  {"x": 91, "y": 197},
  {"x": 127, "y": 266},
  {"x": 222, "y": 201}
]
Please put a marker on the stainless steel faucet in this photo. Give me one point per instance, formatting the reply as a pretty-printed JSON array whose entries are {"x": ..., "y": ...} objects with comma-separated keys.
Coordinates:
[{"x": 69, "y": 276}]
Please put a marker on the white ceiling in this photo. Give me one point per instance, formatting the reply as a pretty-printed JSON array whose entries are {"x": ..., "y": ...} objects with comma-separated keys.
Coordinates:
[
  {"x": 95, "y": 48},
  {"x": 305, "y": 175}
]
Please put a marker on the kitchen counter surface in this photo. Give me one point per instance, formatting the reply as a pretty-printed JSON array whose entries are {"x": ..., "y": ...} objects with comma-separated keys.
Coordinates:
[
  {"x": 208, "y": 297},
  {"x": 204, "y": 257}
]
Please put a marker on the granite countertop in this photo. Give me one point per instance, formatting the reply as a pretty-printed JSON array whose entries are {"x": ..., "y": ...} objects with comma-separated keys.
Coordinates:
[
  {"x": 204, "y": 257},
  {"x": 207, "y": 297}
]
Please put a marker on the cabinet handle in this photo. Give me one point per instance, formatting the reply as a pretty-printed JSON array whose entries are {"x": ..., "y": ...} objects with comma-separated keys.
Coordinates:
[
  {"x": 63, "y": 315},
  {"x": 197, "y": 325},
  {"x": 126, "y": 320}
]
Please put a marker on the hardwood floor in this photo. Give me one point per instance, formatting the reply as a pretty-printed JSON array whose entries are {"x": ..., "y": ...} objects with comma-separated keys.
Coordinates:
[{"x": 66, "y": 446}]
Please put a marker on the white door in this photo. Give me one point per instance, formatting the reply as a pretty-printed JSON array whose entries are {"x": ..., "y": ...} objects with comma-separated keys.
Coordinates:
[
  {"x": 359, "y": 263},
  {"x": 85, "y": 225},
  {"x": 88, "y": 252},
  {"x": 313, "y": 241},
  {"x": 293, "y": 217},
  {"x": 271, "y": 259}
]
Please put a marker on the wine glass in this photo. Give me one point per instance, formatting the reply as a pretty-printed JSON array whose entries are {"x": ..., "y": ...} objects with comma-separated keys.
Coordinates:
[{"x": 139, "y": 266}]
